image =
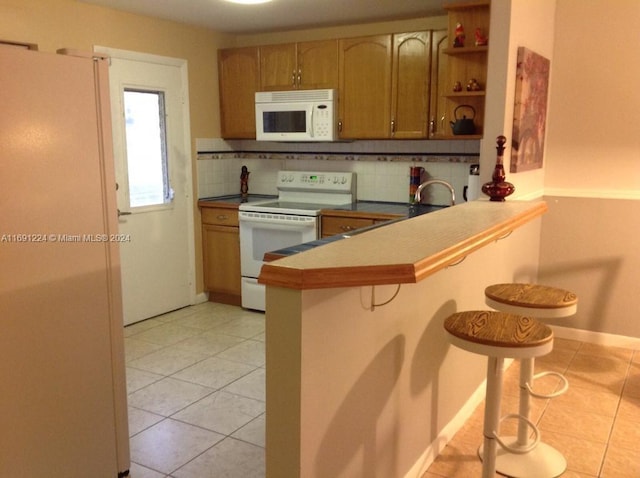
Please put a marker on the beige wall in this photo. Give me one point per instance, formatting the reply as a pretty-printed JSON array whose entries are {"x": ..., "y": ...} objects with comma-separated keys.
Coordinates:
[
  {"x": 592, "y": 178},
  {"x": 514, "y": 23},
  {"x": 590, "y": 246},
  {"x": 54, "y": 24},
  {"x": 593, "y": 142},
  {"x": 344, "y": 31}
]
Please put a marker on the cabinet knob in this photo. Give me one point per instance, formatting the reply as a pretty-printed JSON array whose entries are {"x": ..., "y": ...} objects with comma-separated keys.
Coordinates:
[
  {"x": 346, "y": 228},
  {"x": 222, "y": 217},
  {"x": 293, "y": 79},
  {"x": 340, "y": 126},
  {"x": 393, "y": 127},
  {"x": 299, "y": 77}
]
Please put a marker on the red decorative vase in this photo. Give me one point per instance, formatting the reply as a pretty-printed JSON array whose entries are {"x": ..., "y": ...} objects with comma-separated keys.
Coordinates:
[{"x": 498, "y": 189}]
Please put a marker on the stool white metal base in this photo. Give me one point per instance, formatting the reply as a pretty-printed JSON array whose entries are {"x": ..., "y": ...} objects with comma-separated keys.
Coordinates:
[
  {"x": 543, "y": 460},
  {"x": 496, "y": 335}
]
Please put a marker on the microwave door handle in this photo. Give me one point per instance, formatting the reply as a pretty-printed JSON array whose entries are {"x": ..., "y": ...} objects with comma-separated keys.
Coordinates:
[{"x": 312, "y": 129}]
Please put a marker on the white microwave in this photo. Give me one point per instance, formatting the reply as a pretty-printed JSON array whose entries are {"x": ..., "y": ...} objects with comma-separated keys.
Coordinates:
[{"x": 298, "y": 115}]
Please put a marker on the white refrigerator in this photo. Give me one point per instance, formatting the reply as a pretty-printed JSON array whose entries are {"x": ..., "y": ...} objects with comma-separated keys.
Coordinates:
[{"x": 63, "y": 409}]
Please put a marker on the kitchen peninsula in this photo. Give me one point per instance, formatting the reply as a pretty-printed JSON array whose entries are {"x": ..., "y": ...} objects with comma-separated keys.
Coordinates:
[{"x": 360, "y": 378}]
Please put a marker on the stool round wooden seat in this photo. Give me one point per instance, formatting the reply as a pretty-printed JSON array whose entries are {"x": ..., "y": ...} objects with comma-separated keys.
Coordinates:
[
  {"x": 498, "y": 335},
  {"x": 541, "y": 302},
  {"x": 537, "y": 300}
]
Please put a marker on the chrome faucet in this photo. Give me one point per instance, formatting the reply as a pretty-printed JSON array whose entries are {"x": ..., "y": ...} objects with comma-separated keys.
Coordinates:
[{"x": 435, "y": 181}]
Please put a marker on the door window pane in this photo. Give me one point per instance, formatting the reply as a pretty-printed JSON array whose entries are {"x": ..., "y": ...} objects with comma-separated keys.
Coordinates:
[{"x": 146, "y": 148}]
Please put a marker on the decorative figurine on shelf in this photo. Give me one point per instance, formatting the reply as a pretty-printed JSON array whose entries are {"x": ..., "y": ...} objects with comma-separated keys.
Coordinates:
[
  {"x": 244, "y": 182},
  {"x": 457, "y": 87},
  {"x": 473, "y": 85},
  {"x": 498, "y": 189},
  {"x": 459, "y": 36},
  {"x": 481, "y": 40}
]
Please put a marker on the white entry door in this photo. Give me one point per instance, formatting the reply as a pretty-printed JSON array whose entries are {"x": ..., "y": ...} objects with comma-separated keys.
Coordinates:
[{"x": 151, "y": 136}]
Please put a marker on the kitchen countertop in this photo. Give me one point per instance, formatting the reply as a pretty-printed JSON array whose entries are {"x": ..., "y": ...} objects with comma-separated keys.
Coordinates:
[
  {"x": 372, "y": 208},
  {"x": 406, "y": 251},
  {"x": 232, "y": 200},
  {"x": 365, "y": 208}
]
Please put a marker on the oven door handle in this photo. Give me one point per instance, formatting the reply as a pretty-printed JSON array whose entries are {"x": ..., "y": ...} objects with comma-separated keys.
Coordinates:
[{"x": 278, "y": 222}]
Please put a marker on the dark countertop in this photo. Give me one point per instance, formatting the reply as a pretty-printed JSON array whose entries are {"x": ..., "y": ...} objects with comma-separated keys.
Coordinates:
[
  {"x": 405, "y": 210},
  {"x": 388, "y": 208},
  {"x": 233, "y": 199}
]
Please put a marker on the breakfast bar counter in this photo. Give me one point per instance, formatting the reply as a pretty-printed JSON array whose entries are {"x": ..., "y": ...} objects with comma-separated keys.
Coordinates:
[
  {"x": 403, "y": 252},
  {"x": 360, "y": 378}
]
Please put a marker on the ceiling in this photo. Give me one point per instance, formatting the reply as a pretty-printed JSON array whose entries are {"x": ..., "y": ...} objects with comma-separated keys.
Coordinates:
[{"x": 277, "y": 15}]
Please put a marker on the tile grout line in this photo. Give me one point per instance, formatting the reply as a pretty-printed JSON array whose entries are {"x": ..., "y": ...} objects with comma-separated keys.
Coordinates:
[{"x": 615, "y": 417}]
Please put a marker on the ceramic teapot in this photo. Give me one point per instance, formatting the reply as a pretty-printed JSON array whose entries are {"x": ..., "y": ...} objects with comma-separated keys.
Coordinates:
[{"x": 463, "y": 125}]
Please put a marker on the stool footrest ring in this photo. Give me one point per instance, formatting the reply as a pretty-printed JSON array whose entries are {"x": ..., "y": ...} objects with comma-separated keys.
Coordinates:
[
  {"x": 519, "y": 450},
  {"x": 565, "y": 385}
]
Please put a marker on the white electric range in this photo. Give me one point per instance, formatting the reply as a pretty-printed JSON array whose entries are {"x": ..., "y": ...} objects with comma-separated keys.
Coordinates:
[{"x": 290, "y": 220}]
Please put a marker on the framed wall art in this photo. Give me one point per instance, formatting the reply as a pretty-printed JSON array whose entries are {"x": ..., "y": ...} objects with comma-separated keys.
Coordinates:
[{"x": 530, "y": 111}]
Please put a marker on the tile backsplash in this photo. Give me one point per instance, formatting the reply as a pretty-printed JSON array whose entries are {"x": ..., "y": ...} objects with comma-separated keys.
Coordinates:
[{"x": 381, "y": 167}]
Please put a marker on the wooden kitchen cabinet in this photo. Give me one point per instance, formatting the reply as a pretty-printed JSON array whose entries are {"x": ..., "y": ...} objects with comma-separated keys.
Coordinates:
[
  {"x": 342, "y": 222},
  {"x": 365, "y": 87},
  {"x": 221, "y": 254},
  {"x": 384, "y": 86},
  {"x": 438, "y": 85},
  {"x": 239, "y": 79},
  {"x": 466, "y": 63},
  {"x": 390, "y": 86},
  {"x": 410, "y": 85},
  {"x": 304, "y": 66}
]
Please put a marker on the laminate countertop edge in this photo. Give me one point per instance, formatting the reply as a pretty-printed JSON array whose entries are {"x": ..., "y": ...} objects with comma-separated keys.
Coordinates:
[{"x": 404, "y": 252}]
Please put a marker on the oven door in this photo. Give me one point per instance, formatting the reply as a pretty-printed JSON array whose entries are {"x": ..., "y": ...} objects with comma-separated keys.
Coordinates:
[{"x": 265, "y": 232}]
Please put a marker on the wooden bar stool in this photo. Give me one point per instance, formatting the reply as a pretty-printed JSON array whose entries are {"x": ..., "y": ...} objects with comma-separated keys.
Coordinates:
[
  {"x": 498, "y": 335},
  {"x": 540, "y": 302}
]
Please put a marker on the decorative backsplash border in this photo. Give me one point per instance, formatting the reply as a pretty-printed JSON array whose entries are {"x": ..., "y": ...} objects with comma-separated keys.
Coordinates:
[
  {"x": 421, "y": 151},
  {"x": 465, "y": 158}
]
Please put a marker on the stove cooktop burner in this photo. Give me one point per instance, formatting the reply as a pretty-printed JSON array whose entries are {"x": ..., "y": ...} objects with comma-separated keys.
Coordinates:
[{"x": 290, "y": 207}]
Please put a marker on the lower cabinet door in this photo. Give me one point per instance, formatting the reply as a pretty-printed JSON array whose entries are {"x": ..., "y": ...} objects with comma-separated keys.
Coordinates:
[{"x": 221, "y": 250}]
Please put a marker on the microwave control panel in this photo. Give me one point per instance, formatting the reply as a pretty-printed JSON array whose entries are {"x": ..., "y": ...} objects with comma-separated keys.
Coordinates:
[{"x": 322, "y": 120}]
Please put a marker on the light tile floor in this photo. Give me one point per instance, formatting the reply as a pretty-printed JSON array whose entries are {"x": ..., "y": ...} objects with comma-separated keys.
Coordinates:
[
  {"x": 595, "y": 424},
  {"x": 195, "y": 379},
  {"x": 196, "y": 389}
]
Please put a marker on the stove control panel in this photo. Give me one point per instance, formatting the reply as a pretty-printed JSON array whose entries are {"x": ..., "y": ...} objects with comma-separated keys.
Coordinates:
[{"x": 316, "y": 181}]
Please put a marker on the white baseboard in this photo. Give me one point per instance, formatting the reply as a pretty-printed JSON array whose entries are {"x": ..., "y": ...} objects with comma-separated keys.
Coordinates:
[
  {"x": 427, "y": 458},
  {"x": 200, "y": 298},
  {"x": 599, "y": 338}
]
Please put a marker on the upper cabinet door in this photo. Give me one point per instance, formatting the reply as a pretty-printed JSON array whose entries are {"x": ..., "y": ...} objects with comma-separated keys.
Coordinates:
[
  {"x": 278, "y": 69},
  {"x": 317, "y": 65},
  {"x": 439, "y": 85},
  {"x": 304, "y": 66},
  {"x": 410, "y": 85},
  {"x": 365, "y": 87},
  {"x": 239, "y": 79}
]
